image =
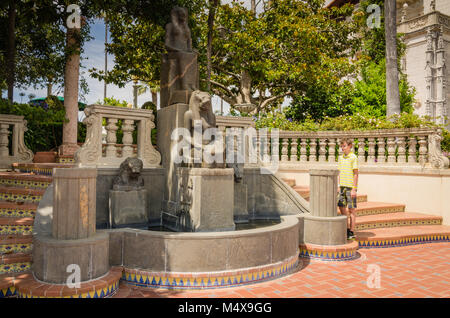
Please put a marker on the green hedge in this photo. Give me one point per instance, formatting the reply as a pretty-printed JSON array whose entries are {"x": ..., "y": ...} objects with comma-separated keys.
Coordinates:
[{"x": 44, "y": 125}]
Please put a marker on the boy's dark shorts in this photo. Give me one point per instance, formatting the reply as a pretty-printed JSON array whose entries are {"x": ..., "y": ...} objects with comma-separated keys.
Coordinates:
[{"x": 345, "y": 198}]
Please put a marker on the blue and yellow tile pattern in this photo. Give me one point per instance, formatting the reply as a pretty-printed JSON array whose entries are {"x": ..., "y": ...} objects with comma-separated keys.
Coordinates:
[
  {"x": 98, "y": 293},
  {"x": 14, "y": 267},
  {"x": 207, "y": 280},
  {"x": 25, "y": 183},
  {"x": 17, "y": 212},
  {"x": 328, "y": 255},
  {"x": 15, "y": 248},
  {"x": 15, "y": 197},
  {"x": 404, "y": 241},
  {"x": 37, "y": 170},
  {"x": 16, "y": 229},
  {"x": 8, "y": 292}
]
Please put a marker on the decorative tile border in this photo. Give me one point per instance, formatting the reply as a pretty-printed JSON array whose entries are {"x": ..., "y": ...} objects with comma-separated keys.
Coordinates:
[
  {"x": 316, "y": 252},
  {"x": 25, "y": 183},
  {"x": 381, "y": 224},
  {"x": 15, "y": 267},
  {"x": 404, "y": 241},
  {"x": 16, "y": 248},
  {"x": 373, "y": 211},
  {"x": 174, "y": 280},
  {"x": 65, "y": 160},
  {"x": 8, "y": 292},
  {"x": 105, "y": 292},
  {"x": 17, "y": 212},
  {"x": 16, "y": 229},
  {"x": 15, "y": 197},
  {"x": 37, "y": 170}
]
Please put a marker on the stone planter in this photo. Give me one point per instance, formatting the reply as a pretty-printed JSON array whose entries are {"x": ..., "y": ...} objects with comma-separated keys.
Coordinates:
[{"x": 45, "y": 157}]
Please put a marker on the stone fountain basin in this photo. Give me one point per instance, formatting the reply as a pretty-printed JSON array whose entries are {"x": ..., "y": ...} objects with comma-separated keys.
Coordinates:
[{"x": 205, "y": 259}]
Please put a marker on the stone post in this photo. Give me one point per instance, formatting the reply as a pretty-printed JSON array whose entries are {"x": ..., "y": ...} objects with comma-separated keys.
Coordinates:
[
  {"x": 74, "y": 200},
  {"x": 324, "y": 226}
]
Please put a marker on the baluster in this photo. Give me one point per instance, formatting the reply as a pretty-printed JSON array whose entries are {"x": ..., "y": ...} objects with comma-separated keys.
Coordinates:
[
  {"x": 371, "y": 152},
  {"x": 412, "y": 158},
  {"x": 111, "y": 138},
  {"x": 284, "y": 149},
  {"x": 332, "y": 150},
  {"x": 4, "y": 132},
  {"x": 127, "y": 140},
  {"x": 391, "y": 149},
  {"x": 361, "y": 150},
  {"x": 423, "y": 149},
  {"x": 339, "y": 149},
  {"x": 275, "y": 150},
  {"x": 401, "y": 150},
  {"x": 303, "y": 156},
  {"x": 313, "y": 149},
  {"x": 294, "y": 145},
  {"x": 322, "y": 150},
  {"x": 381, "y": 150}
]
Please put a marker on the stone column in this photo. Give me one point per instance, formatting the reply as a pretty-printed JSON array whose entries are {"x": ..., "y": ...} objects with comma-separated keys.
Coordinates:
[
  {"x": 73, "y": 242},
  {"x": 323, "y": 226},
  {"x": 74, "y": 203}
]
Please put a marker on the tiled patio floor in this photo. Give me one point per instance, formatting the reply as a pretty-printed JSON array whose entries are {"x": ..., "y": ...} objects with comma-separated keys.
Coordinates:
[{"x": 417, "y": 271}]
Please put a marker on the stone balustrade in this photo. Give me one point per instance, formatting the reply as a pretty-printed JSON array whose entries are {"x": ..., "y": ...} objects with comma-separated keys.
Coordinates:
[
  {"x": 91, "y": 154},
  {"x": 397, "y": 147},
  {"x": 12, "y": 145}
]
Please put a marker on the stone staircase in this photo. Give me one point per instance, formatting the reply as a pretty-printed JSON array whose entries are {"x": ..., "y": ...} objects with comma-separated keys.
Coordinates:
[
  {"x": 20, "y": 193},
  {"x": 381, "y": 224}
]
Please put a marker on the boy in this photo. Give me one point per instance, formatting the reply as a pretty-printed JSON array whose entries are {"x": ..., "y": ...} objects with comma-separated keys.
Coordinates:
[{"x": 348, "y": 184}]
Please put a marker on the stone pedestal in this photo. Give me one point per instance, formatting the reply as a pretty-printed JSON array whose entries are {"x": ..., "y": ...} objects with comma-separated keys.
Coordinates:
[
  {"x": 205, "y": 202},
  {"x": 240, "y": 203},
  {"x": 324, "y": 226},
  {"x": 74, "y": 203},
  {"x": 128, "y": 208},
  {"x": 169, "y": 119}
]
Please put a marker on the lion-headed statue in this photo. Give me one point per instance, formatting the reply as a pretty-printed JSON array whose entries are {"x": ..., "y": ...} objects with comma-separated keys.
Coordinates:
[
  {"x": 129, "y": 177},
  {"x": 200, "y": 108}
]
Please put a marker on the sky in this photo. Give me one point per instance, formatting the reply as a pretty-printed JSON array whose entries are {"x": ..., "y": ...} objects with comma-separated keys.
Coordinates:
[{"x": 94, "y": 56}]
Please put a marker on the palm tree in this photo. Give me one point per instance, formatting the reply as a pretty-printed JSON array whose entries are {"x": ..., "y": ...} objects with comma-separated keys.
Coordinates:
[{"x": 392, "y": 91}]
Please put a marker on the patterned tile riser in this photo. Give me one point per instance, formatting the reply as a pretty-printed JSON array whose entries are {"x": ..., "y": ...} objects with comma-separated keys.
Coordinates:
[
  {"x": 24, "y": 183},
  {"x": 328, "y": 256},
  {"x": 20, "y": 197},
  {"x": 15, "y": 248},
  {"x": 379, "y": 211},
  {"x": 396, "y": 224},
  {"x": 205, "y": 282},
  {"x": 101, "y": 293},
  {"x": 17, "y": 213},
  {"x": 404, "y": 241},
  {"x": 39, "y": 171},
  {"x": 14, "y": 267},
  {"x": 16, "y": 229}
]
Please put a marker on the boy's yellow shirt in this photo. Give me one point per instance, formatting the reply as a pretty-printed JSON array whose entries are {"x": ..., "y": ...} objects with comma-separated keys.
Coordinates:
[{"x": 346, "y": 165}]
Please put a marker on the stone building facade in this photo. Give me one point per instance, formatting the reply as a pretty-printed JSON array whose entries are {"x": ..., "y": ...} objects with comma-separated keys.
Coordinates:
[{"x": 426, "y": 28}]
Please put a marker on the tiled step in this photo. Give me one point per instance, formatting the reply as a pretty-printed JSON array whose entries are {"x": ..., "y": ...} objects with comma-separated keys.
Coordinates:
[
  {"x": 402, "y": 235},
  {"x": 45, "y": 169},
  {"x": 371, "y": 208},
  {"x": 24, "y": 180},
  {"x": 15, "y": 263},
  {"x": 15, "y": 244},
  {"x": 11, "y": 194},
  {"x": 343, "y": 252},
  {"x": 17, "y": 209},
  {"x": 304, "y": 192},
  {"x": 396, "y": 219},
  {"x": 17, "y": 226}
]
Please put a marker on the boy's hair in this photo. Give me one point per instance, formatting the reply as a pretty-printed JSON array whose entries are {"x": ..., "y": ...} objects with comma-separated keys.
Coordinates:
[{"x": 348, "y": 141}]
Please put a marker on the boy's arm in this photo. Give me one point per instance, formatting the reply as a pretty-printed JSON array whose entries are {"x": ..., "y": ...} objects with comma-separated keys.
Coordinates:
[{"x": 355, "y": 182}]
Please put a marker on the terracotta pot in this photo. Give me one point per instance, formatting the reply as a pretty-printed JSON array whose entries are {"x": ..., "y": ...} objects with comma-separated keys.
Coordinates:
[{"x": 45, "y": 157}]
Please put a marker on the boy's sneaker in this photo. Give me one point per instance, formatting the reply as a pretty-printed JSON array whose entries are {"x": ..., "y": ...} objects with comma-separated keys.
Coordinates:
[{"x": 350, "y": 234}]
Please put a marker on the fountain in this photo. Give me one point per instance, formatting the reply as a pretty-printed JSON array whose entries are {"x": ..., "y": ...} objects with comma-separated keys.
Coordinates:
[{"x": 200, "y": 201}]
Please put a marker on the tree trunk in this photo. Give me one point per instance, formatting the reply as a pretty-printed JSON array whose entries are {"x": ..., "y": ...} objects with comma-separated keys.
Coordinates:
[
  {"x": 253, "y": 6},
  {"x": 11, "y": 49},
  {"x": 392, "y": 90},
  {"x": 71, "y": 78},
  {"x": 211, "y": 14},
  {"x": 154, "y": 97}
]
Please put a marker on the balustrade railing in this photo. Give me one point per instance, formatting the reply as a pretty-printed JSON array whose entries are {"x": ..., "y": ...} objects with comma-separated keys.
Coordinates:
[
  {"x": 92, "y": 154},
  {"x": 384, "y": 147},
  {"x": 12, "y": 145}
]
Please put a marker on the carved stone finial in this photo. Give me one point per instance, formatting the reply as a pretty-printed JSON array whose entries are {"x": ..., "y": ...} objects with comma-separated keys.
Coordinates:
[{"x": 436, "y": 158}]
